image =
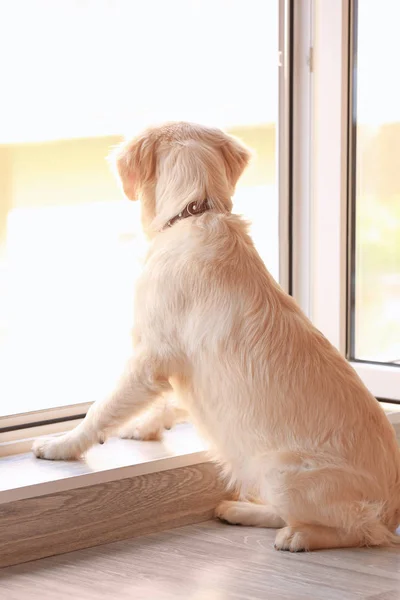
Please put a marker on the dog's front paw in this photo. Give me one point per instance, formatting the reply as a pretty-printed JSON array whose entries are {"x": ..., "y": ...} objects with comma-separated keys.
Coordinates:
[
  {"x": 56, "y": 448},
  {"x": 142, "y": 428}
]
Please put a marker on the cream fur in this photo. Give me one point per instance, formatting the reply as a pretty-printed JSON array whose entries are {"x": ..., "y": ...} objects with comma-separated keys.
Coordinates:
[{"x": 287, "y": 417}]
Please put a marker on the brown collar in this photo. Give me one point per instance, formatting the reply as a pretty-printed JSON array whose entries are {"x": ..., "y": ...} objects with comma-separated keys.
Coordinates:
[{"x": 192, "y": 209}]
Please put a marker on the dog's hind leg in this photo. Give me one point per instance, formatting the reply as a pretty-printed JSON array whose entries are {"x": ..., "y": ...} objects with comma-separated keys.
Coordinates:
[
  {"x": 325, "y": 503},
  {"x": 248, "y": 514},
  {"x": 314, "y": 537}
]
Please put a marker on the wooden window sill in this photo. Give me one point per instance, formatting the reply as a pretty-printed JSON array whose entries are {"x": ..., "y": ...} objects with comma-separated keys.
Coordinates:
[
  {"x": 24, "y": 476},
  {"x": 119, "y": 490}
]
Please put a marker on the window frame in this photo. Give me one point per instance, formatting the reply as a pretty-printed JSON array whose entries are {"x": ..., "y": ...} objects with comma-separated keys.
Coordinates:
[
  {"x": 20, "y": 425},
  {"x": 322, "y": 246}
]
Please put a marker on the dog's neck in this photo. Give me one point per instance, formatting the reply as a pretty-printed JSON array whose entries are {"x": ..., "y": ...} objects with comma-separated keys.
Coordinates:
[
  {"x": 191, "y": 210},
  {"x": 184, "y": 178}
]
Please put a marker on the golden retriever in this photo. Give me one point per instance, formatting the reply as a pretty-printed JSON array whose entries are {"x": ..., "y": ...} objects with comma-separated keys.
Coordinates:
[{"x": 284, "y": 413}]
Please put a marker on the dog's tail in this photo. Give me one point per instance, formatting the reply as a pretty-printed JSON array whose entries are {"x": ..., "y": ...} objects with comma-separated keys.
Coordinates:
[
  {"x": 372, "y": 529},
  {"x": 395, "y": 539},
  {"x": 383, "y": 527}
]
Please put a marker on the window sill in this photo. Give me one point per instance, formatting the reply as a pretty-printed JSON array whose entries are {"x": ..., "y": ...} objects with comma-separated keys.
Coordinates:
[
  {"x": 24, "y": 476},
  {"x": 121, "y": 489}
]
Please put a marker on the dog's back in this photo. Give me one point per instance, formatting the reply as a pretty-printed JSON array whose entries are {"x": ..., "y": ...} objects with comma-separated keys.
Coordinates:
[{"x": 256, "y": 376}]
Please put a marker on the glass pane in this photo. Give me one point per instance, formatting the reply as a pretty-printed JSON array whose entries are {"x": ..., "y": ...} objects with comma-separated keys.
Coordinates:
[
  {"x": 376, "y": 300},
  {"x": 76, "y": 76}
]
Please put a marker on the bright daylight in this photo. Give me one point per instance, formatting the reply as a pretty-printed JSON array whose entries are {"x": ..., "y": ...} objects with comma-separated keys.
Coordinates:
[
  {"x": 71, "y": 245},
  {"x": 199, "y": 300}
]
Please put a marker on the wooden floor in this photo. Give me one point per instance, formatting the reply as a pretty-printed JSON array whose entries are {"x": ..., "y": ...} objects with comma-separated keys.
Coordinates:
[{"x": 209, "y": 561}]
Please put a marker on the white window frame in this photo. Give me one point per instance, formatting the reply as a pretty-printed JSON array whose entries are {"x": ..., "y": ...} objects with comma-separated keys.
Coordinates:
[{"x": 321, "y": 182}]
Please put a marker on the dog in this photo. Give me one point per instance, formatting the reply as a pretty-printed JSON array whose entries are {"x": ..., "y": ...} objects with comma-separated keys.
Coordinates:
[{"x": 284, "y": 413}]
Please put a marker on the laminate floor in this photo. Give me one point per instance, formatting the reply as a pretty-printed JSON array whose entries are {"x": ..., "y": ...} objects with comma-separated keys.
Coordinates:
[{"x": 209, "y": 561}]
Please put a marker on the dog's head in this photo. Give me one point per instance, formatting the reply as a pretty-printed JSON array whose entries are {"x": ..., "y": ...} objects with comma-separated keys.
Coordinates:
[{"x": 174, "y": 164}]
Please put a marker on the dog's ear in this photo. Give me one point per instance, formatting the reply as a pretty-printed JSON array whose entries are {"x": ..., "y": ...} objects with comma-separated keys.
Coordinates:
[
  {"x": 236, "y": 157},
  {"x": 135, "y": 162}
]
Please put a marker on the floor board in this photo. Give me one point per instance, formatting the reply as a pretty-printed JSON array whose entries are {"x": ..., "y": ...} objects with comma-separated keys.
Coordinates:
[{"x": 208, "y": 561}]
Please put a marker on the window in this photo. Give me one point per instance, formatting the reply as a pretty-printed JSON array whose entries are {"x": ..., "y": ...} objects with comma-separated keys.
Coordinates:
[
  {"x": 375, "y": 283},
  {"x": 78, "y": 76},
  {"x": 354, "y": 219},
  {"x": 93, "y": 70}
]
